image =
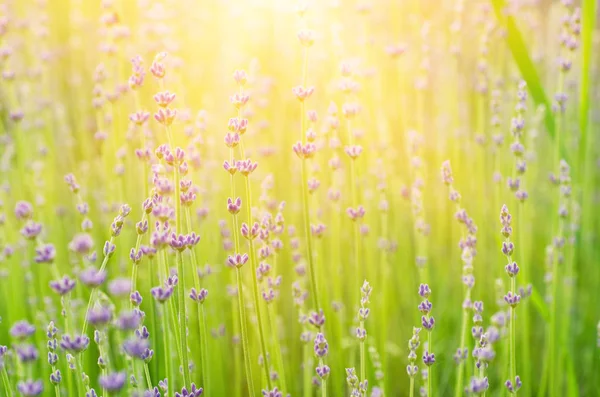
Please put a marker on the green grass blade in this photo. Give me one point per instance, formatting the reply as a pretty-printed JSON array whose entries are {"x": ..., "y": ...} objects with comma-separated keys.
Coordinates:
[
  {"x": 517, "y": 47},
  {"x": 538, "y": 303},
  {"x": 589, "y": 8}
]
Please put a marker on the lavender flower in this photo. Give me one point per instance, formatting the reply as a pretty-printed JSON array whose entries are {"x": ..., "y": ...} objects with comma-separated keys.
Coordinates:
[
  {"x": 92, "y": 278},
  {"x": 193, "y": 392},
  {"x": 22, "y": 330},
  {"x": 74, "y": 344},
  {"x": 30, "y": 388},
  {"x": 113, "y": 382}
]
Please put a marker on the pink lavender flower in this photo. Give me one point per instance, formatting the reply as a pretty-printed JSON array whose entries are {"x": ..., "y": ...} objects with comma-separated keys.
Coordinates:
[
  {"x": 246, "y": 167},
  {"x": 240, "y": 77},
  {"x": 302, "y": 93},
  {"x": 306, "y": 37},
  {"x": 139, "y": 118},
  {"x": 237, "y": 260},
  {"x": 165, "y": 116},
  {"x": 164, "y": 99}
]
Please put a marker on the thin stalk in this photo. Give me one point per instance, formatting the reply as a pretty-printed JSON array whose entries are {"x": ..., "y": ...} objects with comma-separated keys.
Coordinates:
[
  {"x": 204, "y": 344},
  {"x": 430, "y": 369},
  {"x": 257, "y": 302},
  {"x": 180, "y": 274},
  {"x": 199, "y": 307},
  {"x": 134, "y": 269},
  {"x": 148, "y": 378},
  {"x": 307, "y": 370},
  {"x": 245, "y": 346},
  {"x": 166, "y": 343},
  {"x": 323, "y": 381},
  {"x": 363, "y": 366},
  {"x": 240, "y": 294},
  {"x": 274, "y": 335},
  {"x": 306, "y": 216},
  {"x": 458, "y": 387},
  {"x": 6, "y": 382},
  {"x": 92, "y": 299}
]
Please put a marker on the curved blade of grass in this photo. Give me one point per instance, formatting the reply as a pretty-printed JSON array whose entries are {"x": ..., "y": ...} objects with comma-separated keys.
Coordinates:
[
  {"x": 517, "y": 47},
  {"x": 589, "y": 8},
  {"x": 538, "y": 303}
]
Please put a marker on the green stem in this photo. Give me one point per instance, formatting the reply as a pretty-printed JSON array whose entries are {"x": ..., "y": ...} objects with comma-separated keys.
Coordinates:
[
  {"x": 148, "y": 378},
  {"x": 167, "y": 355},
  {"x": 257, "y": 302},
  {"x": 204, "y": 354},
  {"x": 430, "y": 369},
  {"x": 274, "y": 335},
  {"x": 245, "y": 347},
  {"x": 92, "y": 299},
  {"x": 307, "y": 370},
  {"x": 6, "y": 382},
  {"x": 458, "y": 387}
]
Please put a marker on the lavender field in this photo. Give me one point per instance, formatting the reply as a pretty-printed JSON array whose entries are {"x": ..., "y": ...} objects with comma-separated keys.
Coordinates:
[{"x": 286, "y": 198}]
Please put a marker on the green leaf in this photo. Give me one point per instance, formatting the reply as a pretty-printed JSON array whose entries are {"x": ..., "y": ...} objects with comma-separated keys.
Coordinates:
[
  {"x": 538, "y": 302},
  {"x": 517, "y": 47},
  {"x": 588, "y": 21}
]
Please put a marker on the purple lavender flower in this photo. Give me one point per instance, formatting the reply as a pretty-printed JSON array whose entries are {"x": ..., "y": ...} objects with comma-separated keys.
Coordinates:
[
  {"x": 513, "y": 387},
  {"x": 200, "y": 296},
  {"x": 321, "y": 345},
  {"x": 62, "y": 286},
  {"x": 425, "y": 306},
  {"x": 178, "y": 242},
  {"x": 109, "y": 248},
  {"x": 81, "y": 244},
  {"x": 136, "y": 347},
  {"x": 45, "y": 253},
  {"x": 162, "y": 294},
  {"x": 129, "y": 320},
  {"x": 31, "y": 230},
  {"x": 120, "y": 287},
  {"x": 272, "y": 393},
  {"x": 22, "y": 329},
  {"x": 55, "y": 377},
  {"x": 317, "y": 319},
  {"x": 193, "y": 392},
  {"x": 99, "y": 316},
  {"x": 512, "y": 269},
  {"x": 512, "y": 299},
  {"x": 323, "y": 371},
  {"x": 27, "y": 353},
  {"x": 92, "y": 277},
  {"x": 113, "y": 382},
  {"x": 30, "y": 388},
  {"x": 136, "y": 298},
  {"x": 424, "y": 291},
  {"x": 427, "y": 322},
  {"x": 75, "y": 344},
  {"x": 428, "y": 358},
  {"x": 477, "y": 385},
  {"x": 23, "y": 210}
]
